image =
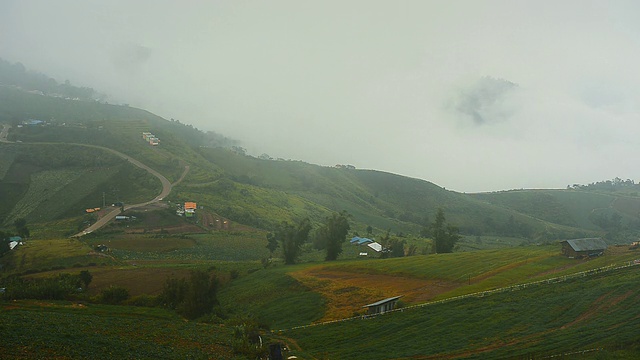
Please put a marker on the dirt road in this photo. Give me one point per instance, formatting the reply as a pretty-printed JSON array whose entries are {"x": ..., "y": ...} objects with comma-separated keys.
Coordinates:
[{"x": 166, "y": 185}]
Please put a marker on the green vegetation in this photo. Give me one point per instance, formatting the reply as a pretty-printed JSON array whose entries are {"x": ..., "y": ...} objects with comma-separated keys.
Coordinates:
[
  {"x": 191, "y": 298},
  {"x": 291, "y": 238},
  {"x": 598, "y": 312},
  {"x": 221, "y": 266},
  {"x": 77, "y": 331},
  {"x": 445, "y": 235},
  {"x": 273, "y": 297},
  {"x": 333, "y": 233},
  {"x": 17, "y": 75}
]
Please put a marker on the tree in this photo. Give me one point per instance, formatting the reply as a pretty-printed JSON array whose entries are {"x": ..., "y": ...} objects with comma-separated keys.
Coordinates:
[
  {"x": 369, "y": 230},
  {"x": 445, "y": 236},
  {"x": 4, "y": 246},
  {"x": 200, "y": 295},
  {"x": 114, "y": 295},
  {"x": 85, "y": 278},
  {"x": 334, "y": 233},
  {"x": 272, "y": 243},
  {"x": 425, "y": 232},
  {"x": 191, "y": 298},
  {"x": 291, "y": 237},
  {"x": 4, "y": 243},
  {"x": 21, "y": 227}
]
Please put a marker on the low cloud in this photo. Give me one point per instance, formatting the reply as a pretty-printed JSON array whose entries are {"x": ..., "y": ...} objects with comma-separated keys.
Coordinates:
[
  {"x": 485, "y": 101},
  {"x": 130, "y": 59}
]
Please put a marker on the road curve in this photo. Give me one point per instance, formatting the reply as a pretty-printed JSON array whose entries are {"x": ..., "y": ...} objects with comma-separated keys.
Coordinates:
[
  {"x": 166, "y": 190},
  {"x": 166, "y": 184}
]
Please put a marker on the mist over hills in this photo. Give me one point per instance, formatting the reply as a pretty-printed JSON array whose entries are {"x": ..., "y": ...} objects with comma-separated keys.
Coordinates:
[{"x": 261, "y": 191}]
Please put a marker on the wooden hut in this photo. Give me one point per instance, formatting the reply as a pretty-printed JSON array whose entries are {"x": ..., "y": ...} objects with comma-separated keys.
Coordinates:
[{"x": 579, "y": 248}]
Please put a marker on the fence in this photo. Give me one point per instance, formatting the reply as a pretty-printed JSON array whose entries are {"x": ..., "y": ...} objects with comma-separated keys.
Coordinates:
[{"x": 484, "y": 293}]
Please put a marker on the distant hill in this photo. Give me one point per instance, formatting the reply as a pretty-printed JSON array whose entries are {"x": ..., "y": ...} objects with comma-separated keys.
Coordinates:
[
  {"x": 261, "y": 192},
  {"x": 17, "y": 75}
]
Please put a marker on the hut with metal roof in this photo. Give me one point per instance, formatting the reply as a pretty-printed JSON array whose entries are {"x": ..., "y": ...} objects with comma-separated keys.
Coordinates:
[
  {"x": 579, "y": 248},
  {"x": 382, "y": 306}
]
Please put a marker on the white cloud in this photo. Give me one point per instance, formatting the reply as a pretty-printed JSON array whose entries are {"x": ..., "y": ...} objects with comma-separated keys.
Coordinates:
[{"x": 370, "y": 83}]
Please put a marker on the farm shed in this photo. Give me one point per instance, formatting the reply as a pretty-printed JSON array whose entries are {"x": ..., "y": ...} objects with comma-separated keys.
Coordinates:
[
  {"x": 382, "y": 306},
  {"x": 375, "y": 246},
  {"x": 578, "y": 248},
  {"x": 360, "y": 241}
]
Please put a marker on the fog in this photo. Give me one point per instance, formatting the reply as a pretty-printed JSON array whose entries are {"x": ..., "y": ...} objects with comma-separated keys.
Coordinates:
[{"x": 471, "y": 95}]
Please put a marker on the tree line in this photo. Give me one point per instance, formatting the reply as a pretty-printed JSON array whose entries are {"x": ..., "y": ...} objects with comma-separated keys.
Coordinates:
[
  {"x": 333, "y": 231},
  {"x": 330, "y": 236},
  {"x": 16, "y": 74}
]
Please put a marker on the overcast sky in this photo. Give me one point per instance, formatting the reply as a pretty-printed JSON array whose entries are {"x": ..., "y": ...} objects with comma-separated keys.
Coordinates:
[{"x": 471, "y": 95}]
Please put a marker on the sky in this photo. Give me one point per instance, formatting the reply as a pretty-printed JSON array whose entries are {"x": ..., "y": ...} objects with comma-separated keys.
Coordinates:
[{"x": 476, "y": 95}]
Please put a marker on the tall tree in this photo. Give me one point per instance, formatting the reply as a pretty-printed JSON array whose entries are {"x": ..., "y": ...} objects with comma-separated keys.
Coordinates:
[
  {"x": 291, "y": 237},
  {"x": 21, "y": 227},
  {"x": 425, "y": 232},
  {"x": 444, "y": 235},
  {"x": 191, "y": 298},
  {"x": 334, "y": 233},
  {"x": 272, "y": 243}
]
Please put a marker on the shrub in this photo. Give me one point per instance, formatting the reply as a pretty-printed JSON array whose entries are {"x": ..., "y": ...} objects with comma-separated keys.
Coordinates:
[
  {"x": 143, "y": 300},
  {"x": 60, "y": 287},
  {"x": 192, "y": 298},
  {"x": 113, "y": 295}
]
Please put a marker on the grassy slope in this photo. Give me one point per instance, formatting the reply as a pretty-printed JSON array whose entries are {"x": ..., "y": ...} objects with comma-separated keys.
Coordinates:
[
  {"x": 575, "y": 208},
  {"x": 347, "y": 285},
  {"x": 586, "y": 313},
  {"x": 262, "y": 192},
  {"x": 42, "y": 189},
  {"x": 72, "y": 331}
]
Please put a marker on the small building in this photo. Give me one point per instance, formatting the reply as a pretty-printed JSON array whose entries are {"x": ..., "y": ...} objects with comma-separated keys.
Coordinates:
[
  {"x": 14, "y": 241},
  {"x": 382, "y": 306},
  {"x": 360, "y": 241},
  {"x": 375, "y": 246},
  {"x": 579, "y": 248}
]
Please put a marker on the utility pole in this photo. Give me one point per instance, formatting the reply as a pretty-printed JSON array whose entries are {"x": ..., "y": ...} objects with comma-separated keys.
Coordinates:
[{"x": 103, "y": 203}]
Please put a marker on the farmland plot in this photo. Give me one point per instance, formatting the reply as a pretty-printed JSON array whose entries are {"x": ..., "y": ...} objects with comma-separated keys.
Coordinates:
[
  {"x": 43, "y": 186},
  {"x": 224, "y": 246},
  {"x": 6, "y": 160}
]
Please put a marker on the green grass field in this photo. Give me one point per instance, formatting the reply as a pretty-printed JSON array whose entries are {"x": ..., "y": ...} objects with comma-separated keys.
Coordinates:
[
  {"x": 62, "y": 330},
  {"x": 44, "y": 255},
  {"x": 50, "y": 184},
  {"x": 598, "y": 312}
]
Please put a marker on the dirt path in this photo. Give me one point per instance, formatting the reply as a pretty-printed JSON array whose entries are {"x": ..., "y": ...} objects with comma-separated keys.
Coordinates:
[{"x": 166, "y": 187}]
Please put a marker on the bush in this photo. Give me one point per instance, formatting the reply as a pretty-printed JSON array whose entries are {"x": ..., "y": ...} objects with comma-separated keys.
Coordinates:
[
  {"x": 113, "y": 295},
  {"x": 143, "y": 300},
  {"x": 60, "y": 287},
  {"x": 191, "y": 298}
]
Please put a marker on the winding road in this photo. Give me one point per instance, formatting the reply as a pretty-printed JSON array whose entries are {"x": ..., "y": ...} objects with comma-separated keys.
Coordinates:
[
  {"x": 166, "y": 190},
  {"x": 166, "y": 184}
]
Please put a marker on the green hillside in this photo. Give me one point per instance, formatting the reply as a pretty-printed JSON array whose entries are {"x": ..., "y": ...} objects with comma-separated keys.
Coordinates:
[
  {"x": 49, "y": 182},
  {"x": 593, "y": 317},
  {"x": 615, "y": 212},
  {"x": 262, "y": 192}
]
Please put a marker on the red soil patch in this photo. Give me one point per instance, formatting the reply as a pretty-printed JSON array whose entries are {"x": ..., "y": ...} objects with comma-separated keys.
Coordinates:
[{"x": 346, "y": 293}]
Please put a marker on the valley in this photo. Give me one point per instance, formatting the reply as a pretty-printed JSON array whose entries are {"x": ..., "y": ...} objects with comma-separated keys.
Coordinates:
[{"x": 504, "y": 291}]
